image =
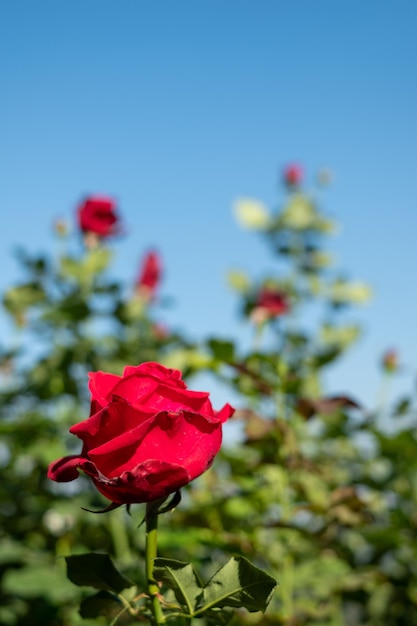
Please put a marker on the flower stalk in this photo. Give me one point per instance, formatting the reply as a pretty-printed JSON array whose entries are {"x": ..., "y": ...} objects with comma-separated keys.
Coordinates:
[{"x": 151, "y": 554}]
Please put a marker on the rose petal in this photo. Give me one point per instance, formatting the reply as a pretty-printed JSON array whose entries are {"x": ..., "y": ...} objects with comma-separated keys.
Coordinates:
[
  {"x": 148, "y": 481},
  {"x": 156, "y": 370},
  {"x": 224, "y": 413},
  {"x": 168, "y": 399},
  {"x": 65, "y": 470},
  {"x": 118, "y": 418},
  {"x": 135, "y": 389},
  {"x": 181, "y": 438},
  {"x": 101, "y": 386}
]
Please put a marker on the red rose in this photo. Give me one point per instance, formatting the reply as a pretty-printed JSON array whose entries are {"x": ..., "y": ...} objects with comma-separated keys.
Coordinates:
[
  {"x": 97, "y": 215},
  {"x": 293, "y": 175},
  {"x": 150, "y": 274},
  {"x": 269, "y": 303},
  {"x": 147, "y": 435}
]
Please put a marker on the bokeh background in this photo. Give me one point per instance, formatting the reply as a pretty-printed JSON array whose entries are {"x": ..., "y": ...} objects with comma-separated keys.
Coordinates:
[{"x": 178, "y": 108}]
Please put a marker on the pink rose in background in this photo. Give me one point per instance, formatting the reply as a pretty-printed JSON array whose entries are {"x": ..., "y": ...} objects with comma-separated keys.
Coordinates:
[
  {"x": 293, "y": 175},
  {"x": 269, "y": 303},
  {"x": 147, "y": 435},
  {"x": 149, "y": 275},
  {"x": 97, "y": 214}
]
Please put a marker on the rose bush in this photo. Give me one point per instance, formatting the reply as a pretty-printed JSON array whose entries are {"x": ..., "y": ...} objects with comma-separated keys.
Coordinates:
[
  {"x": 97, "y": 214},
  {"x": 147, "y": 435}
]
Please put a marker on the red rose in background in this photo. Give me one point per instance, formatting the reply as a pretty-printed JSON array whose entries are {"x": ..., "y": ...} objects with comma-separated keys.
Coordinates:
[
  {"x": 147, "y": 435},
  {"x": 150, "y": 274},
  {"x": 293, "y": 175},
  {"x": 269, "y": 303},
  {"x": 97, "y": 214}
]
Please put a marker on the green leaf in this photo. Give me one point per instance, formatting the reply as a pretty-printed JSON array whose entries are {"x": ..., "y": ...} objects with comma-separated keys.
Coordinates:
[
  {"x": 182, "y": 579},
  {"x": 237, "y": 584},
  {"x": 222, "y": 350},
  {"x": 402, "y": 406},
  {"x": 321, "y": 259},
  {"x": 239, "y": 281},
  {"x": 299, "y": 213},
  {"x": 101, "y": 603},
  {"x": 251, "y": 213},
  {"x": 18, "y": 299},
  {"x": 72, "y": 308},
  {"x": 70, "y": 267},
  {"x": 326, "y": 226},
  {"x": 97, "y": 260},
  {"x": 95, "y": 570},
  {"x": 325, "y": 356},
  {"x": 355, "y": 292},
  {"x": 219, "y": 617},
  {"x": 182, "y": 358},
  {"x": 341, "y": 337},
  {"x": 94, "y": 262}
]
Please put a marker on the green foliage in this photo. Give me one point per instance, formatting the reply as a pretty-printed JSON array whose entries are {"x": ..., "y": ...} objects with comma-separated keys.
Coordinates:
[
  {"x": 252, "y": 214},
  {"x": 102, "y": 603},
  {"x": 237, "y": 584},
  {"x": 319, "y": 492},
  {"x": 95, "y": 570},
  {"x": 183, "y": 579},
  {"x": 316, "y": 490},
  {"x": 70, "y": 318}
]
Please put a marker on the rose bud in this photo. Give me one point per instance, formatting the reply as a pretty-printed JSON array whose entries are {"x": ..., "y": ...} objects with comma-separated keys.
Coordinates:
[
  {"x": 390, "y": 361},
  {"x": 97, "y": 215},
  {"x": 293, "y": 175},
  {"x": 147, "y": 435},
  {"x": 150, "y": 275},
  {"x": 61, "y": 227},
  {"x": 269, "y": 303}
]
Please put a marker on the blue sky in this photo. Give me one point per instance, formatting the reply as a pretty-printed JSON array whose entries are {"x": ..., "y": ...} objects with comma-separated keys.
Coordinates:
[{"x": 177, "y": 107}]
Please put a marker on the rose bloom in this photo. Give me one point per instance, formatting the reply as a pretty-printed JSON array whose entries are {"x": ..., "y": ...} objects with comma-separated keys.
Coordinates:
[
  {"x": 150, "y": 274},
  {"x": 97, "y": 214},
  {"x": 269, "y": 303},
  {"x": 147, "y": 435},
  {"x": 293, "y": 175}
]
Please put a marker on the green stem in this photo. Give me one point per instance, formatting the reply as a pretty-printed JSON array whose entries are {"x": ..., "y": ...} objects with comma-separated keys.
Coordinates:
[
  {"x": 383, "y": 394},
  {"x": 151, "y": 553}
]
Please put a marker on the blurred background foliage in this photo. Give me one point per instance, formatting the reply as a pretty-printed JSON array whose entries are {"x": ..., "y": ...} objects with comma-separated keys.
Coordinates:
[{"x": 314, "y": 488}]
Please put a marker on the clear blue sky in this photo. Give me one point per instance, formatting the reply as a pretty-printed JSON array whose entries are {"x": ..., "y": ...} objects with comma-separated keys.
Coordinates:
[{"x": 176, "y": 107}]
